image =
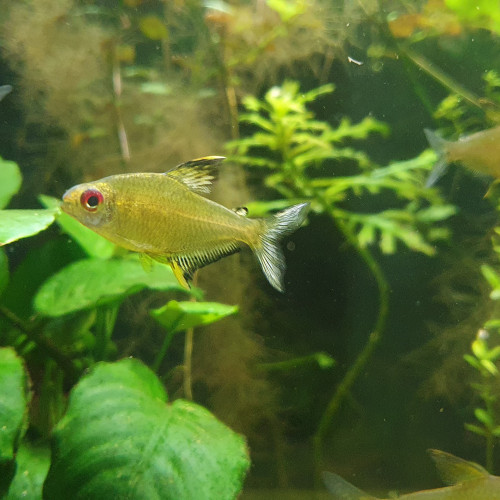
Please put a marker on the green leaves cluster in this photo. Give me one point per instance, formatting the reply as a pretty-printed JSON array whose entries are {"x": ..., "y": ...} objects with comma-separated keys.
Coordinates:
[
  {"x": 119, "y": 436},
  {"x": 305, "y": 158}
]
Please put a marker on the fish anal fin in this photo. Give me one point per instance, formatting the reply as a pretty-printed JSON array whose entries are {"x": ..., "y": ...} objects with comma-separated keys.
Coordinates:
[
  {"x": 453, "y": 470},
  {"x": 342, "y": 489},
  {"x": 188, "y": 263},
  {"x": 180, "y": 274},
  {"x": 197, "y": 174}
]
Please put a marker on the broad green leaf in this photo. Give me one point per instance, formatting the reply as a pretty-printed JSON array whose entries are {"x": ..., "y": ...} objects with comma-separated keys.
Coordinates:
[
  {"x": 10, "y": 181},
  {"x": 179, "y": 316},
  {"x": 92, "y": 243},
  {"x": 17, "y": 224},
  {"x": 120, "y": 439},
  {"x": 4, "y": 270},
  {"x": 32, "y": 467},
  {"x": 92, "y": 282},
  {"x": 14, "y": 396}
]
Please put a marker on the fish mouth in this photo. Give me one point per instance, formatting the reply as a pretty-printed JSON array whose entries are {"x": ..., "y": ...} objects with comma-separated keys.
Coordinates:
[{"x": 69, "y": 199}]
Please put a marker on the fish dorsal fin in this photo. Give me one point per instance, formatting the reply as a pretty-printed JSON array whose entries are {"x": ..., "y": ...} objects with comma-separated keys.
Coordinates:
[
  {"x": 453, "y": 470},
  {"x": 243, "y": 211},
  {"x": 343, "y": 490},
  {"x": 197, "y": 174}
]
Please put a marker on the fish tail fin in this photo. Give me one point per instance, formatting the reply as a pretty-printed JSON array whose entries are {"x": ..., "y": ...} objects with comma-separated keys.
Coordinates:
[
  {"x": 343, "y": 490},
  {"x": 267, "y": 250},
  {"x": 439, "y": 145}
]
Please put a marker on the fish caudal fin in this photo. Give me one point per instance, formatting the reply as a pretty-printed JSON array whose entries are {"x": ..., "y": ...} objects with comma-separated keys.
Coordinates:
[
  {"x": 342, "y": 490},
  {"x": 268, "y": 251},
  {"x": 438, "y": 144}
]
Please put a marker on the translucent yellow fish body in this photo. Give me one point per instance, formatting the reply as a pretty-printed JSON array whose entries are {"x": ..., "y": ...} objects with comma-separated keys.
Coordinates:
[
  {"x": 469, "y": 481},
  {"x": 164, "y": 216},
  {"x": 479, "y": 152}
]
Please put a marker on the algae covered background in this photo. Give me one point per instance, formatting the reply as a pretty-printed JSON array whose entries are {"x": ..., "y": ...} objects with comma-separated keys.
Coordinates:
[{"x": 385, "y": 342}]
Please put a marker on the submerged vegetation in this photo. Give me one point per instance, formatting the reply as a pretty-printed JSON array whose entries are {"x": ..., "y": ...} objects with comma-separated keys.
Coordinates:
[{"x": 312, "y": 101}]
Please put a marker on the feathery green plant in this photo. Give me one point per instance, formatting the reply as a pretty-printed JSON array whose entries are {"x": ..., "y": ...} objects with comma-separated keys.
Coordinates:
[
  {"x": 295, "y": 149},
  {"x": 484, "y": 357},
  {"x": 307, "y": 159}
]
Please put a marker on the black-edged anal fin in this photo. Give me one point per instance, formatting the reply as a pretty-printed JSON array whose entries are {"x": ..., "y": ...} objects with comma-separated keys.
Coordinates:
[{"x": 184, "y": 265}]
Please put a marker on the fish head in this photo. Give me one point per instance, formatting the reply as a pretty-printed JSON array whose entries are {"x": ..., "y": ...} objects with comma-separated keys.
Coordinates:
[{"x": 90, "y": 204}]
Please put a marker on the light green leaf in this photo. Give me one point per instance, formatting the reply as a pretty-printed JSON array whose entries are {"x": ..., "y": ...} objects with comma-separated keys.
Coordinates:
[
  {"x": 32, "y": 467},
  {"x": 92, "y": 243},
  {"x": 17, "y": 224},
  {"x": 14, "y": 397},
  {"x": 92, "y": 282},
  {"x": 489, "y": 366},
  {"x": 179, "y": 316},
  {"x": 10, "y": 181},
  {"x": 120, "y": 439},
  {"x": 475, "y": 429},
  {"x": 484, "y": 417}
]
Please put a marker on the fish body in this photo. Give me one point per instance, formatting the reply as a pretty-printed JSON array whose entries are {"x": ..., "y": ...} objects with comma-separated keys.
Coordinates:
[
  {"x": 469, "y": 481},
  {"x": 163, "y": 216},
  {"x": 479, "y": 152}
]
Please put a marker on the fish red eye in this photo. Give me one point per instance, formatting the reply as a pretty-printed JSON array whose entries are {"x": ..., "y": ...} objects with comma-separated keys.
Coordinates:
[{"x": 91, "y": 199}]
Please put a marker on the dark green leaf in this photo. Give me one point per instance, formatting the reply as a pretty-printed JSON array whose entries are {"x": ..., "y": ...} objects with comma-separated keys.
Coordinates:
[
  {"x": 4, "y": 270},
  {"x": 10, "y": 181},
  {"x": 179, "y": 316},
  {"x": 32, "y": 467},
  {"x": 92, "y": 282},
  {"x": 13, "y": 401},
  {"x": 92, "y": 243},
  {"x": 119, "y": 439},
  {"x": 17, "y": 224}
]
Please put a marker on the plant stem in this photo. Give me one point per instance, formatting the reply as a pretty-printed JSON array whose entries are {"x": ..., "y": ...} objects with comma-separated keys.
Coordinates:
[
  {"x": 373, "y": 339},
  {"x": 161, "y": 354},
  {"x": 43, "y": 343},
  {"x": 188, "y": 356}
]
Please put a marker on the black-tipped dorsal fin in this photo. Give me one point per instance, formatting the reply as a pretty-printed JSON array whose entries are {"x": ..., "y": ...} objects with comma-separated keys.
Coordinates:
[
  {"x": 197, "y": 174},
  {"x": 453, "y": 470}
]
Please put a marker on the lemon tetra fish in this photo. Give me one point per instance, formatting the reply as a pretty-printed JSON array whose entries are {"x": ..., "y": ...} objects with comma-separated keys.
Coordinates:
[
  {"x": 467, "y": 481},
  {"x": 164, "y": 216},
  {"x": 479, "y": 152}
]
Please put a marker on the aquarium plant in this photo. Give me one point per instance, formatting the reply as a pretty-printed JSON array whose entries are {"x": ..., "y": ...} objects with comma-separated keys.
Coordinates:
[
  {"x": 302, "y": 158},
  {"x": 484, "y": 357}
]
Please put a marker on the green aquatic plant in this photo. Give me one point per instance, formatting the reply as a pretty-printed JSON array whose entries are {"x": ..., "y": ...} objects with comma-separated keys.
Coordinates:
[
  {"x": 61, "y": 328},
  {"x": 485, "y": 359},
  {"x": 303, "y": 158}
]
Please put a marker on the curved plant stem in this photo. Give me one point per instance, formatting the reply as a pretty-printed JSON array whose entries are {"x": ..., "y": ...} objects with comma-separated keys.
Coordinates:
[
  {"x": 44, "y": 344},
  {"x": 373, "y": 339}
]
